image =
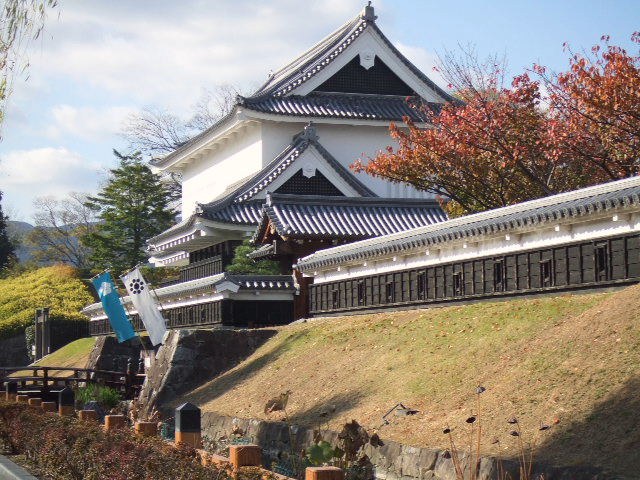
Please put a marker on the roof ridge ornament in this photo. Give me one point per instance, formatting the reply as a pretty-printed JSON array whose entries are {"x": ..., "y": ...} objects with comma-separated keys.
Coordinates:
[
  {"x": 368, "y": 13},
  {"x": 309, "y": 133}
]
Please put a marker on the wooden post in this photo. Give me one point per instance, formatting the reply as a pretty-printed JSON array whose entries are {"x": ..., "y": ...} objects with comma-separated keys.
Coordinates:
[
  {"x": 35, "y": 402},
  {"x": 45, "y": 379},
  {"x": 66, "y": 402},
  {"x": 88, "y": 415},
  {"x": 146, "y": 429},
  {"x": 22, "y": 398},
  {"x": 188, "y": 430},
  {"x": 111, "y": 422},
  {"x": 324, "y": 473},
  {"x": 11, "y": 390},
  {"x": 49, "y": 406},
  {"x": 245, "y": 456}
]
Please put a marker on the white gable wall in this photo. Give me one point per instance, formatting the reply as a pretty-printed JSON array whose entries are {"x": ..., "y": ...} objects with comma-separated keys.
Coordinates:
[{"x": 208, "y": 177}]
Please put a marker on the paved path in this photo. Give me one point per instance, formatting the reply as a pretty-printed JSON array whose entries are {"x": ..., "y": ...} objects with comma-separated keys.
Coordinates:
[{"x": 11, "y": 471}]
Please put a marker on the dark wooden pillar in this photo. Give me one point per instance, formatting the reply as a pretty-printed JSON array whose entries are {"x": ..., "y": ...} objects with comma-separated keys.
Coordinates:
[
  {"x": 301, "y": 300},
  {"x": 42, "y": 333}
]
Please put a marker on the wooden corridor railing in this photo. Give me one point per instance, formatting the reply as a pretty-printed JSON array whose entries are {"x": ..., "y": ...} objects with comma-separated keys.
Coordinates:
[{"x": 52, "y": 379}]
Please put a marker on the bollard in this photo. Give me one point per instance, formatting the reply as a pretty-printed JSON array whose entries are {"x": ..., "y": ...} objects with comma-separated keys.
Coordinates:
[
  {"x": 88, "y": 415},
  {"x": 49, "y": 406},
  {"x": 66, "y": 402},
  {"x": 245, "y": 456},
  {"x": 111, "y": 422},
  {"x": 22, "y": 398},
  {"x": 188, "y": 429},
  {"x": 146, "y": 429},
  {"x": 324, "y": 473},
  {"x": 11, "y": 390},
  {"x": 35, "y": 402}
]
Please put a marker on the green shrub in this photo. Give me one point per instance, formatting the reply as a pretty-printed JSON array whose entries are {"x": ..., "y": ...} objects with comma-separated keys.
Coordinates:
[
  {"x": 64, "y": 448},
  {"x": 243, "y": 265},
  {"x": 57, "y": 287},
  {"x": 105, "y": 396}
]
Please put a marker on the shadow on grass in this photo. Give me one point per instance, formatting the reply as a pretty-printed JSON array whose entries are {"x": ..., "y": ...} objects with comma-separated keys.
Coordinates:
[
  {"x": 324, "y": 412},
  {"x": 609, "y": 437},
  {"x": 228, "y": 380}
]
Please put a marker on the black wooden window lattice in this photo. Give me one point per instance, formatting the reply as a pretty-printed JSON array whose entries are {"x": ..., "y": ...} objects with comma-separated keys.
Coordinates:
[
  {"x": 458, "y": 284},
  {"x": 362, "y": 292},
  {"x": 546, "y": 273},
  {"x": 389, "y": 292},
  {"x": 498, "y": 276},
  {"x": 422, "y": 285},
  {"x": 601, "y": 262}
]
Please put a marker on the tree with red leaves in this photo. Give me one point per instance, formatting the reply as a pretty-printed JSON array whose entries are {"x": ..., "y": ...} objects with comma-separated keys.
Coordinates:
[{"x": 501, "y": 146}]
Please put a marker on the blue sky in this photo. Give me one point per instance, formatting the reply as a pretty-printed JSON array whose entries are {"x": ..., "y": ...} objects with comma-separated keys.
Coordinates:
[{"x": 103, "y": 60}]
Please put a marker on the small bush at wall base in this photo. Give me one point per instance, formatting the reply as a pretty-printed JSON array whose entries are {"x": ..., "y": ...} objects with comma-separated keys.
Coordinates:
[
  {"x": 63, "y": 448},
  {"x": 105, "y": 396}
]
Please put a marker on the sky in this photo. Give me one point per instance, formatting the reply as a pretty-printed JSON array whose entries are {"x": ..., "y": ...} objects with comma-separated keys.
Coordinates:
[{"x": 100, "y": 61}]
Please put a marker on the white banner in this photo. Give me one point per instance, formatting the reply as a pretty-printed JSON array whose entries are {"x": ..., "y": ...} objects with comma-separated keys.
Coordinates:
[{"x": 144, "y": 302}]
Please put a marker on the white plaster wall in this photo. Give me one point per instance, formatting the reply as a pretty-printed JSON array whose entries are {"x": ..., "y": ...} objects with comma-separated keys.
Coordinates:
[
  {"x": 346, "y": 143},
  {"x": 500, "y": 244},
  {"x": 206, "y": 178}
]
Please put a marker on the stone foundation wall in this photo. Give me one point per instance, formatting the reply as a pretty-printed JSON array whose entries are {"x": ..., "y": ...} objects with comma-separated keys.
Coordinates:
[
  {"x": 107, "y": 349},
  {"x": 189, "y": 358},
  {"x": 391, "y": 461},
  {"x": 13, "y": 352}
]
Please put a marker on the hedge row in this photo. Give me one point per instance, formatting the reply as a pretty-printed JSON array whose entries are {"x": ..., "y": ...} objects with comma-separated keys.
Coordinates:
[
  {"x": 64, "y": 448},
  {"x": 57, "y": 287}
]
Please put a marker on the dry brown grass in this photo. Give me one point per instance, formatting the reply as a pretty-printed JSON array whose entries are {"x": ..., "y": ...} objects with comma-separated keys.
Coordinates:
[{"x": 572, "y": 358}]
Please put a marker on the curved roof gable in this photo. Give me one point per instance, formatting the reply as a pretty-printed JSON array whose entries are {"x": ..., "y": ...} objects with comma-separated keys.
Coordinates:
[{"x": 315, "y": 60}]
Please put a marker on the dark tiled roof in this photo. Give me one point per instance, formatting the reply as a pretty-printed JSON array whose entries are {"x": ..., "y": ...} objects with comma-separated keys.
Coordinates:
[
  {"x": 262, "y": 251},
  {"x": 349, "y": 106},
  {"x": 346, "y": 217},
  {"x": 206, "y": 284},
  {"x": 326, "y": 51},
  {"x": 579, "y": 203},
  {"x": 305, "y": 67},
  {"x": 247, "y": 213},
  {"x": 238, "y": 206}
]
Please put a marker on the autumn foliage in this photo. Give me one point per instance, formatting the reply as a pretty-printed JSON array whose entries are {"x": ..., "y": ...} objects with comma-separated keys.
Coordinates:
[{"x": 544, "y": 134}]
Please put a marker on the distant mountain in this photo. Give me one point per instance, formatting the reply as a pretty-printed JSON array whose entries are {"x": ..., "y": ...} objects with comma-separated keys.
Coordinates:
[{"x": 19, "y": 230}]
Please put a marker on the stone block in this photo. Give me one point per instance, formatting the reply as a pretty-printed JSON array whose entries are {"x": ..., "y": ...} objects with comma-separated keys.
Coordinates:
[
  {"x": 22, "y": 398},
  {"x": 35, "y": 402}
]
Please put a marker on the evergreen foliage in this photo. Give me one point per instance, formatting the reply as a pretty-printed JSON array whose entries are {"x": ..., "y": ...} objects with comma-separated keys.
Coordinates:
[
  {"x": 7, "y": 249},
  {"x": 132, "y": 207},
  {"x": 243, "y": 265},
  {"x": 57, "y": 287}
]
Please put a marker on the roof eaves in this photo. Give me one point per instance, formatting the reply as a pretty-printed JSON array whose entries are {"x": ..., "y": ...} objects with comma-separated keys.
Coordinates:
[{"x": 481, "y": 224}]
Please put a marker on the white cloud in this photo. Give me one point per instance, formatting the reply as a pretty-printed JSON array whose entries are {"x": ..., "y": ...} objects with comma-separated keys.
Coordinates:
[
  {"x": 165, "y": 52},
  {"x": 26, "y": 174},
  {"x": 86, "y": 122},
  {"x": 424, "y": 60}
]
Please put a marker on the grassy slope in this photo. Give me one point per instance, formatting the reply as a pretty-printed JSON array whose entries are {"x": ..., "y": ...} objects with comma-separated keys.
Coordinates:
[
  {"x": 73, "y": 355},
  {"x": 572, "y": 358}
]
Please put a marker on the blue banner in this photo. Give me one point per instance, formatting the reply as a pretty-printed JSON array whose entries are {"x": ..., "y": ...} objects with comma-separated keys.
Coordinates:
[{"x": 108, "y": 293}]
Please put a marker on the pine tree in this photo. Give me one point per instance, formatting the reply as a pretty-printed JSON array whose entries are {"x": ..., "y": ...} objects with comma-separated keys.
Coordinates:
[
  {"x": 243, "y": 265},
  {"x": 132, "y": 207},
  {"x": 7, "y": 249}
]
